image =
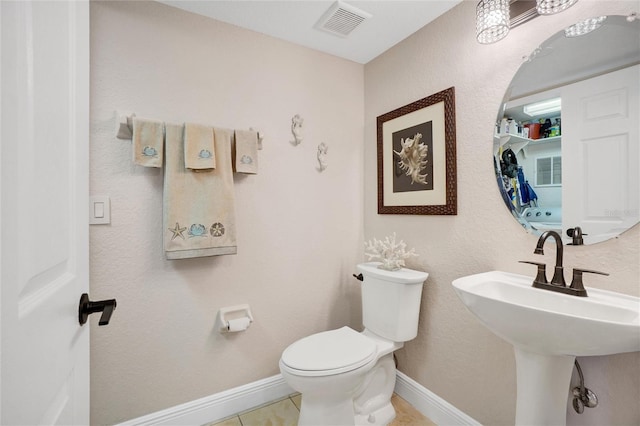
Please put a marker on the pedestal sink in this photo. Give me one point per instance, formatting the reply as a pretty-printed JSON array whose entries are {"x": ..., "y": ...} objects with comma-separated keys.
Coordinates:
[{"x": 548, "y": 330}]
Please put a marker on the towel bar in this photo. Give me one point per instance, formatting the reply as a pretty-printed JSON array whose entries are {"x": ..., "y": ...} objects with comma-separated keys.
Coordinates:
[{"x": 124, "y": 127}]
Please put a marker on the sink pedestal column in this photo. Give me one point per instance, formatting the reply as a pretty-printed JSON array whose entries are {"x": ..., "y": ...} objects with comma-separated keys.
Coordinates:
[{"x": 543, "y": 383}]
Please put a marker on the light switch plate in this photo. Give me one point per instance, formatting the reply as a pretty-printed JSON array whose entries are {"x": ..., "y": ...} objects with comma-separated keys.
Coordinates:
[{"x": 99, "y": 210}]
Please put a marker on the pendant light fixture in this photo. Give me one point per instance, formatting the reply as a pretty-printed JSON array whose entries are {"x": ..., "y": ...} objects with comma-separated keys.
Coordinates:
[
  {"x": 492, "y": 20},
  {"x": 549, "y": 7}
]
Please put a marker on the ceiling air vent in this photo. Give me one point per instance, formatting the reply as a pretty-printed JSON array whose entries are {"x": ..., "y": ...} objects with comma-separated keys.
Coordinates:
[{"x": 341, "y": 18}]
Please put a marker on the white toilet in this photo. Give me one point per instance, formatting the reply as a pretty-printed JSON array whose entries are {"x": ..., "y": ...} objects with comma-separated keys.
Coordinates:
[{"x": 346, "y": 377}]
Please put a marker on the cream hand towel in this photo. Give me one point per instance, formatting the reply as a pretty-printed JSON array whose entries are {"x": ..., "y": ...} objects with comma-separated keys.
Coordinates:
[
  {"x": 147, "y": 141},
  {"x": 199, "y": 208},
  {"x": 246, "y": 151},
  {"x": 199, "y": 151}
]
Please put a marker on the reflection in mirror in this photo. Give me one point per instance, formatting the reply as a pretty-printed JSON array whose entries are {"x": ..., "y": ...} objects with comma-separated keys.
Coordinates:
[{"x": 566, "y": 144}]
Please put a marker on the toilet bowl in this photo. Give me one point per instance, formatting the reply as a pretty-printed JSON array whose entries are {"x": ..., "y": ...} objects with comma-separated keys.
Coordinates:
[
  {"x": 331, "y": 370},
  {"x": 347, "y": 377}
]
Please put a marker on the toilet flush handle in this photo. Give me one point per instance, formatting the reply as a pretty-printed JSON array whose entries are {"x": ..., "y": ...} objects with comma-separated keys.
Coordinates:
[{"x": 359, "y": 277}]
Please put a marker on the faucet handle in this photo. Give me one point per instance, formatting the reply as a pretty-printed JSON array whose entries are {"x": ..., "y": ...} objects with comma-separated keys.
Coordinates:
[
  {"x": 541, "y": 276},
  {"x": 576, "y": 282},
  {"x": 576, "y": 236}
]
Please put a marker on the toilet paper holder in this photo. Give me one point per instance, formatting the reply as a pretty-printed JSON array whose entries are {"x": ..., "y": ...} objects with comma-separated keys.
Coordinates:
[{"x": 234, "y": 318}]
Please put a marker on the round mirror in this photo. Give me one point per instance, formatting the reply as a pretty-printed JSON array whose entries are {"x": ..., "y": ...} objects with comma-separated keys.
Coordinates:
[{"x": 566, "y": 143}]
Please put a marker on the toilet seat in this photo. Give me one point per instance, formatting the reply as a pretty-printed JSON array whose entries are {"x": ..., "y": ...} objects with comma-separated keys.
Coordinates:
[{"x": 329, "y": 352}]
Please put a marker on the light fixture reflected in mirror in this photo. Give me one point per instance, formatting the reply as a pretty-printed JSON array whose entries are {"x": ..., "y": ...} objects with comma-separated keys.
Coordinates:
[
  {"x": 543, "y": 107},
  {"x": 492, "y": 20},
  {"x": 549, "y": 7},
  {"x": 584, "y": 27}
]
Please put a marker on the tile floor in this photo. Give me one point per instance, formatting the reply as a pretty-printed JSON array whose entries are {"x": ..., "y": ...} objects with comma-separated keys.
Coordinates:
[{"x": 285, "y": 413}]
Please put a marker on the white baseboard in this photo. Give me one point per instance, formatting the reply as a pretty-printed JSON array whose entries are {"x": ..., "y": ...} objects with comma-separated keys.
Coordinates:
[
  {"x": 429, "y": 404},
  {"x": 218, "y": 406},
  {"x": 233, "y": 401}
]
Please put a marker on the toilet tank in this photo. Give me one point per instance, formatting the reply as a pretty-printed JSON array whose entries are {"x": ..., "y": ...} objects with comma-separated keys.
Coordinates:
[{"x": 391, "y": 301}]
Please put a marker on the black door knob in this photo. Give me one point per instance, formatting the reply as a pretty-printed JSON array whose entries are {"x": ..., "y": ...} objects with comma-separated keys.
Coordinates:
[{"x": 88, "y": 307}]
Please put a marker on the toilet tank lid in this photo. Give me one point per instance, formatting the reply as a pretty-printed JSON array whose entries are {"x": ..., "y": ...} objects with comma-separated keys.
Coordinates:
[
  {"x": 401, "y": 276},
  {"x": 337, "y": 351}
]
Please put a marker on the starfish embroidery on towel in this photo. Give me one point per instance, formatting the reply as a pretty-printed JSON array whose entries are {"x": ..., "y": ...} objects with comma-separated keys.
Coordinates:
[{"x": 177, "y": 232}]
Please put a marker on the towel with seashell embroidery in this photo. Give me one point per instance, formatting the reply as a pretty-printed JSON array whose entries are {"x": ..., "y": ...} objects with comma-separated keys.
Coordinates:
[{"x": 199, "y": 208}]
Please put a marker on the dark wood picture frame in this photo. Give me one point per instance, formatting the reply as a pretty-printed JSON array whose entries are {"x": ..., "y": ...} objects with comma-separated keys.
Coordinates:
[{"x": 432, "y": 188}]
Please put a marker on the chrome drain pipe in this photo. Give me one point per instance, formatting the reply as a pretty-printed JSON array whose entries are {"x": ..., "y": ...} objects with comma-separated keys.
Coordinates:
[{"x": 583, "y": 397}]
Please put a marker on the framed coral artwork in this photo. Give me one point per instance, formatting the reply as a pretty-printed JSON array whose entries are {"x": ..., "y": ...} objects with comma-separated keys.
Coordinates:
[{"x": 417, "y": 157}]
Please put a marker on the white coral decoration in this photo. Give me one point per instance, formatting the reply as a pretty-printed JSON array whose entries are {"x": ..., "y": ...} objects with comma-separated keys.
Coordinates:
[{"x": 391, "y": 254}]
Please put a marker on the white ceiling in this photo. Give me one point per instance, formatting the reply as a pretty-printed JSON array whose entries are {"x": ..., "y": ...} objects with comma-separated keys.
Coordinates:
[{"x": 392, "y": 21}]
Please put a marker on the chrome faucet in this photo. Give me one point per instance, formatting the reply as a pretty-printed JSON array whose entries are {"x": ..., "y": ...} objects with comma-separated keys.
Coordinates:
[
  {"x": 558, "y": 274},
  {"x": 557, "y": 282}
]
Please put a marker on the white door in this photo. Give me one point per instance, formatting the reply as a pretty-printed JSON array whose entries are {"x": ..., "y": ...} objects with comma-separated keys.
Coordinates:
[
  {"x": 600, "y": 151},
  {"x": 44, "y": 352}
]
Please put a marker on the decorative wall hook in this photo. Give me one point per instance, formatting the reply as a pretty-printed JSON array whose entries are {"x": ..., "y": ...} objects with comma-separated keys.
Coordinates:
[
  {"x": 322, "y": 156},
  {"x": 296, "y": 129}
]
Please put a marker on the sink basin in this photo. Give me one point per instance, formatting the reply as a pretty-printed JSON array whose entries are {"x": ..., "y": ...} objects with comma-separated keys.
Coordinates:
[
  {"x": 552, "y": 323},
  {"x": 548, "y": 330}
]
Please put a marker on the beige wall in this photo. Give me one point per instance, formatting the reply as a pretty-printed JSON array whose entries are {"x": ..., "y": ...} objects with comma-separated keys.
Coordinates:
[
  {"x": 299, "y": 230},
  {"x": 453, "y": 355}
]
